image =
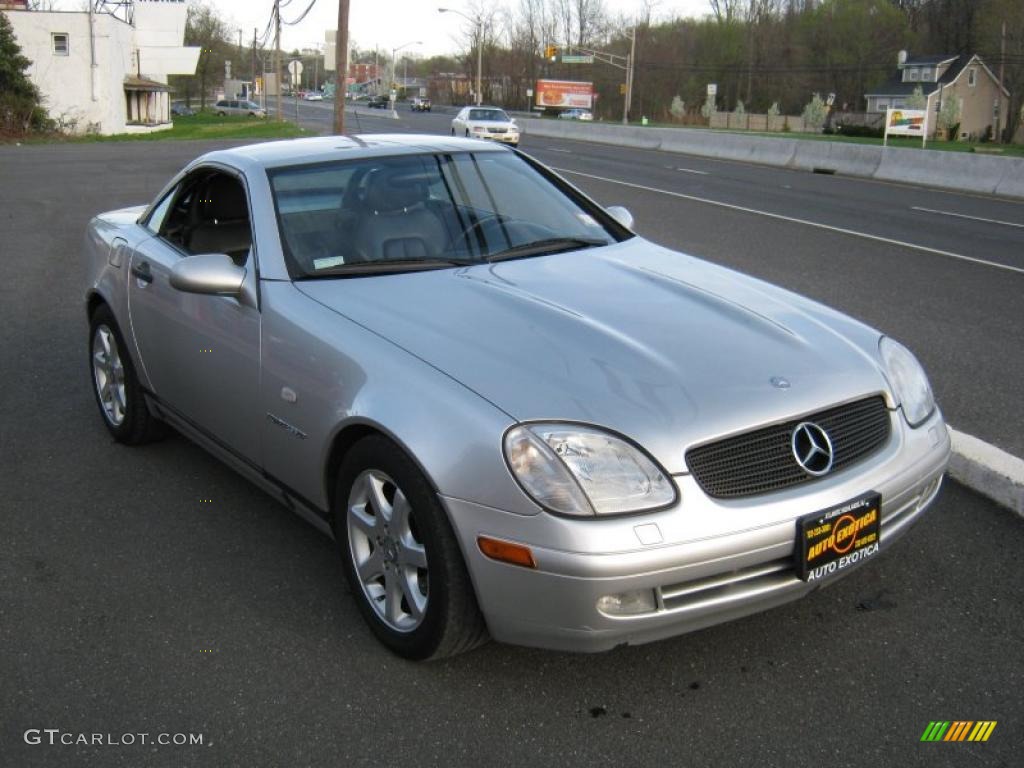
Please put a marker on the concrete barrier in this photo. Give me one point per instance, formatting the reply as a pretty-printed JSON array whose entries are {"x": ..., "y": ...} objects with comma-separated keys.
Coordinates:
[
  {"x": 968, "y": 172},
  {"x": 836, "y": 157},
  {"x": 965, "y": 172}
]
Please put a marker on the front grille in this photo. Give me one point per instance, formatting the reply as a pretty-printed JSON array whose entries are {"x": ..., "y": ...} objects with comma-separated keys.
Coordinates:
[
  {"x": 762, "y": 461},
  {"x": 496, "y": 130}
]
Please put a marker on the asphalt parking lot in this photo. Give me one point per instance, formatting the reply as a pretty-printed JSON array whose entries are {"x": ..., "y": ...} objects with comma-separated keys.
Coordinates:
[{"x": 128, "y": 605}]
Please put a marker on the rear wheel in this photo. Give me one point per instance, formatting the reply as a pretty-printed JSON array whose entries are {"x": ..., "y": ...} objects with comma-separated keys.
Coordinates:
[
  {"x": 115, "y": 385},
  {"x": 400, "y": 555}
]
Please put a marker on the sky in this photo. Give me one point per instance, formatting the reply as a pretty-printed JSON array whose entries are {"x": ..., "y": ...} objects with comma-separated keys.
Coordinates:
[{"x": 388, "y": 23}]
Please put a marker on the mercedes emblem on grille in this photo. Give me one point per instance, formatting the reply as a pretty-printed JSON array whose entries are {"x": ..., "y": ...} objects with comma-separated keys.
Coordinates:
[{"x": 812, "y": 448}]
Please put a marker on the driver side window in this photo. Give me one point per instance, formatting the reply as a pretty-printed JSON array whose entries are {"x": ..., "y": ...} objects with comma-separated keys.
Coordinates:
[{"x": 210, "y": 214}]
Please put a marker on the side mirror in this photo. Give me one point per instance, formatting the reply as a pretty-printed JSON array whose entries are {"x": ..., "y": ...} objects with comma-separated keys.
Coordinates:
[
  {"x": 212, "y": 273},
  {"x": 621, "y": 215}
]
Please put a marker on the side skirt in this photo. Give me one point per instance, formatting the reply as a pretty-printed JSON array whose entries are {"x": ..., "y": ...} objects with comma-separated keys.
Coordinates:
[{"x": 255, "y": 474}]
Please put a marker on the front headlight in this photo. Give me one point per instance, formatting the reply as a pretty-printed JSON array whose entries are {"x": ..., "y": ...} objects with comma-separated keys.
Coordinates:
[
  {"x": 908, "y": 380},
  {"x": 478, "y": 129},
  {"x": 577, "y": 470}
]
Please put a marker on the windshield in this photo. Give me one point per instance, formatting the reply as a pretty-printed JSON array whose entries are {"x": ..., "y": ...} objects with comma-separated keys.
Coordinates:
[
  {"x": 425, "y": 211},
  {"x": 494, "y": 115}
]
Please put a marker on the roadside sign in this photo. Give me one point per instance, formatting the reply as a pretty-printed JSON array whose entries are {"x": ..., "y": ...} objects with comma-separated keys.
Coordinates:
[
  {"x": 295, "y": 69},
  {"x": 577, "y": 59},
  {"x": 831, "y": 99},
  {"x": 529, "y": 93},
  {"x": 906, "y": 122},
  {"x": 712, "y": 89}
]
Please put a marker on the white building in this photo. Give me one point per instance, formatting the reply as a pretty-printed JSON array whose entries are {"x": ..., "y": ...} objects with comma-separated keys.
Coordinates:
[{"x": 98, "y": 72}]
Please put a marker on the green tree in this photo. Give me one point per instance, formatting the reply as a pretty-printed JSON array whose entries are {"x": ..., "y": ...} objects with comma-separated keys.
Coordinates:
[
  {"x": 917, "y": 100},
  {"x": 815, "y": 113},
  {"x": 207, "y": 30},
  {"x": 20, "y": 108}
]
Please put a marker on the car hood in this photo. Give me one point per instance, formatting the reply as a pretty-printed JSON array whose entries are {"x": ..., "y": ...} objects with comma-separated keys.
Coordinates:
[{"x": 664, "y": 348}]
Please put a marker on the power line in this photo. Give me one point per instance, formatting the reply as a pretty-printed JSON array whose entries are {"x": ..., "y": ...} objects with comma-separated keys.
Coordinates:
[{"x": 304, "y": 14}]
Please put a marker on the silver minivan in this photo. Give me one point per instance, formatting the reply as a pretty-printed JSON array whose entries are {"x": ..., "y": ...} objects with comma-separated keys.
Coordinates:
[{"x": 239, "y": 107}]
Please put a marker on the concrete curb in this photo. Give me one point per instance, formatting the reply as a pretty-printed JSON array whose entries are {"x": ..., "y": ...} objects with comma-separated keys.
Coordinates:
[{"x": 990, "y": 471}]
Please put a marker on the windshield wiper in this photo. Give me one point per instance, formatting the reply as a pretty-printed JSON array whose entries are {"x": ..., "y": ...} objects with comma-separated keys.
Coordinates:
[
  {"x": 390, "y": 267},
  {"x": 545, "y": 247}
]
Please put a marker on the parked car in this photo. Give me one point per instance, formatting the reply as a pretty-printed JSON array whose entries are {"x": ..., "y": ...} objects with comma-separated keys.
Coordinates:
[
  {"x": 239, "y": 107},
  {"x": 420, "y": 105},
  {"x": 576, "y": 114},
  {"x": 486, "y": 123},
  {"x": 515, "y": 415},
  {"x": 379, "y": 102},
  {"x": 179, "y": 109},
  {"x": 314, "y": 96}
]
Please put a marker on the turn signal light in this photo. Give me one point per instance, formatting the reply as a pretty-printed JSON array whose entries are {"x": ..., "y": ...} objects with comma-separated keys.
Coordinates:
[{"x": 506, "y": 551}]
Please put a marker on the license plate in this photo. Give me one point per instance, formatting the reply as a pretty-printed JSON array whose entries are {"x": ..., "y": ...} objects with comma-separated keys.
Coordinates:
[{"x": 831, "y": 541}]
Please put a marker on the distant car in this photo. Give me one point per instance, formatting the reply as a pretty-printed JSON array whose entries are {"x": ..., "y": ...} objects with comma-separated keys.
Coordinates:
[
  {"x": 486, "y": 123},
  {"x": 420, "y": 105},
  {"x": 239, "y": 107},
  {"x": 378, "y": 102},
  {"x": 576, "y": 114},
  {"x": 179, "y": 109},
  {"x": 314, "y": 96}
]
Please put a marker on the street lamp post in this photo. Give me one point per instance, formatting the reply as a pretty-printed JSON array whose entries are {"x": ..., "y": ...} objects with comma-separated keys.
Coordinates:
[
  {"x": 394, "y": 60},
  {"x": 479, "y": 22}
]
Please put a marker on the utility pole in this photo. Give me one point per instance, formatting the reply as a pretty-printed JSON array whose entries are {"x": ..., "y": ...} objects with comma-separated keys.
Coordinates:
[
  {"x": 253, "y": 52},
  {"x": 341, "y": 68},
  {"x": 277, "y": 57},
  {"x": 1002, "y": 71},
  {"x": 630, "y": 65},
  {"x": 479, "y": 61}
]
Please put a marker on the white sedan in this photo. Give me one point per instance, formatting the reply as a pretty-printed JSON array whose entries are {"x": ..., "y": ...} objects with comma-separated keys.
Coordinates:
[
  {"x": 486, "y": 123},
  {"x": 314, "y": 96}
]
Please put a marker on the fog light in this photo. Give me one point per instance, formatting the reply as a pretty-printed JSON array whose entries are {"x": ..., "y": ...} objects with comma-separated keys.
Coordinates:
[{"x": 628, "y": 603}]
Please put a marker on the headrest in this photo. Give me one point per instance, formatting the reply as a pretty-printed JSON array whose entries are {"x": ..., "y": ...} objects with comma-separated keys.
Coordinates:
[
  {"x": 224, "y": 199},
  {"x": 395, "y": 189}
]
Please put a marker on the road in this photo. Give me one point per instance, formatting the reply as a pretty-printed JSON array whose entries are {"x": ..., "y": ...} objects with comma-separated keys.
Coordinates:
[
  {"x": 941, "y": 272},
  {"x": 129, "y": 605}
]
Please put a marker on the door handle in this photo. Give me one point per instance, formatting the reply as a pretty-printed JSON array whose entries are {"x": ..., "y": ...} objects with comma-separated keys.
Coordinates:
[{"x": 142, "y": 271}]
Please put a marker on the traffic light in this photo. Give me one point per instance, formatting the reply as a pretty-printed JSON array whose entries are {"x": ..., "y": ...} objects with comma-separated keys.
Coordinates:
[{"x": 551, "y": 52}]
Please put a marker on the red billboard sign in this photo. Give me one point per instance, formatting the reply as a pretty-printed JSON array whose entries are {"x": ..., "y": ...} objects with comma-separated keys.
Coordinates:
[{"x": 564, "y": 93}]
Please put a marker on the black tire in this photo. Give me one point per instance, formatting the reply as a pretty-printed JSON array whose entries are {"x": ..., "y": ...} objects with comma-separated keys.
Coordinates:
[
  {"x": 137, "y": 425},
  {"x": 453, "y": 131},
  {"x": 467, "y": 133},
  {"x": 222, "y": 114},
  {"x": 452, "y": 622}
]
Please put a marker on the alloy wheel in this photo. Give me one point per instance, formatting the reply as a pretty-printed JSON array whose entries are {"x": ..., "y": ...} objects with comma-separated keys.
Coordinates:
[
  {"x": 108, "y": 375},
  {"x": 389, "y": 559}
]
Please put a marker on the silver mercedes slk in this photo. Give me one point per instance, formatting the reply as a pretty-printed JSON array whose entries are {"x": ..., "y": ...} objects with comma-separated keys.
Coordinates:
[{"x": 516, "y": 417}]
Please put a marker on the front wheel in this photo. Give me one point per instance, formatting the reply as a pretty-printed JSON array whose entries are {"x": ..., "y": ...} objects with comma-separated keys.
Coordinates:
[
  {"x": 453, "y": 131},
  {"x": 115, "y": 385},
  {"x": 400, "y": 555}
]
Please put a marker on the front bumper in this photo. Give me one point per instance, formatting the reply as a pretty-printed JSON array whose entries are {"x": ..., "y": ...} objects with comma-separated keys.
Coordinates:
[
  {"x": 504, "y": 138},
  {"x": 715, "y": 561}
]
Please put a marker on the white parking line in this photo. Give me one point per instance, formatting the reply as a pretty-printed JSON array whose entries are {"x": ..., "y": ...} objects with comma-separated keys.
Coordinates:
[
  {"x": 556, "y": 149},
  {"x": 965, "y": 216},
  {"x": 690, "y": 170},
  {"x": 818, "y": 225}
]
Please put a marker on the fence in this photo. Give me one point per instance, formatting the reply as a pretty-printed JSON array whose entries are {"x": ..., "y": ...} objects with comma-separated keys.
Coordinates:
[{"x": 752, "y": 121}]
